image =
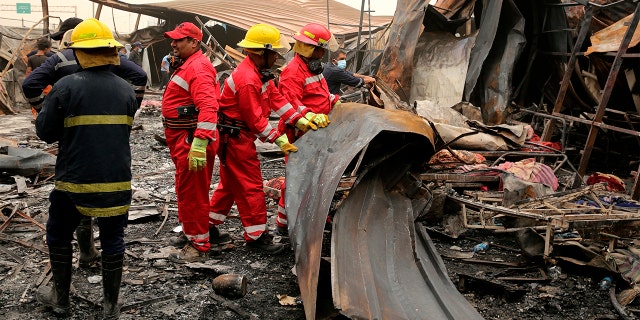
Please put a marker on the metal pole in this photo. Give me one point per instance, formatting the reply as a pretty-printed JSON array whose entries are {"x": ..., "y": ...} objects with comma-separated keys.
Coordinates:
[
  {"x": 45, "y": 13},
  {"x": 369, "y": 44},
  {"x": 359, "y": 35},
  {"x": 329, "y": 28}
]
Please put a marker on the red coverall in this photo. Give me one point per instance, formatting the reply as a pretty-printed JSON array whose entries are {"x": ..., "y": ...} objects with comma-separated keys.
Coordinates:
[
  {"x": 246, "y": 99},
  {"x": 309, "y": 92},
  {"x": 193, "y": 83}
]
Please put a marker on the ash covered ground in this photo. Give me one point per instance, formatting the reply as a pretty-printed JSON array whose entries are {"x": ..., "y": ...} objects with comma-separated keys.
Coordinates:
[{"x": 185, "y": 293}]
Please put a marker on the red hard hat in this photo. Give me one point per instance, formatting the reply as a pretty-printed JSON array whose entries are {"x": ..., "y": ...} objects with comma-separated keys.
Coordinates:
[{"x": 314, "y": 34}]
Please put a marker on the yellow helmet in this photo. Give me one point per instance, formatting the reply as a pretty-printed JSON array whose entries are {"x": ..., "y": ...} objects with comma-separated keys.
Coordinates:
[
  {"x": 262, "y": 36},
  {"x": 91, "y": 33}
]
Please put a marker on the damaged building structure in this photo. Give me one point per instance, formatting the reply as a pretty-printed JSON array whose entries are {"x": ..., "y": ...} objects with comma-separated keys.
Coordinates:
[{"x": 499, "y": 115}]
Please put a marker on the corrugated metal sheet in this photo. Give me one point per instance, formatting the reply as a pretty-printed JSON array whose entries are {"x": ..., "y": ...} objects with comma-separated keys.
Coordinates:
[
  {"x": 289, "y": 16},
  {"x": 384, "y": 265}
]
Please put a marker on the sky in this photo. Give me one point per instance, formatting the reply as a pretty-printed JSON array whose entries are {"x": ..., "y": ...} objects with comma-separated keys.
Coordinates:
[{"x": 125, "y": 21}]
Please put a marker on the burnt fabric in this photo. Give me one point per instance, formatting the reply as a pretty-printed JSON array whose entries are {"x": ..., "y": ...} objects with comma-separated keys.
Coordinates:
[
  {"x": 445, "y": 159},
  {"x": 612, "y": 182},
  {"x": 247, "y": 100},
  {"x": 193, "y": 84},
  {"x": 94, "y": 159},
  {"x": 530, "y": 170}
]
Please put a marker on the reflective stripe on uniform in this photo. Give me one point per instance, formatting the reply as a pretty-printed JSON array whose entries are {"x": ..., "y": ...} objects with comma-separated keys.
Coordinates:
[
  {"x": 198, "y": 238},
  {"x": 264, "y": 87},
  {"x": 63, "y": 61},
  {"x": 217, "y": 216},
  {"x": 313, "y": 79},
  {"x": 207, "y": 126},
  {"x": 36, "y": 99},
  {"x": 103, "y": 212},
  {"x": 254, "y": 232},
  {"x": 290, "y": 118},
  {"x": 281, "y": 217},
  {"x": 231, "y": 84},
  {"x": 280, "y": 220},
  {"x": 97, "y": 119},
  {"x": 180, "y": 82},
  {"x": 268, "y": 133},
  {"x": 284, "y": 109},
  {"x": 93, "y": 187}
]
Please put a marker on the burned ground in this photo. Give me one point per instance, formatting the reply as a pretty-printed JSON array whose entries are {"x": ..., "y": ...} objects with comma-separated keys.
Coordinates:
[{"x": 157, "y": 288}]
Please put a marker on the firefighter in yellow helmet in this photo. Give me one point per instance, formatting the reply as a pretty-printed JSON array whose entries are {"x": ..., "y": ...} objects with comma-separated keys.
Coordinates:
[
  {"x": 89, "y": 114},
  {"x": 248, "y": 97}
]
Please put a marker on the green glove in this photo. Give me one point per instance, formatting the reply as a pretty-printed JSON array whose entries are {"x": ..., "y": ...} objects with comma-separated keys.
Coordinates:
[
  {"x": 304, "y": 125},
  {"x": 285, "y": 146},
  {"x": 198, "y": 154},
  {"x": 320, "y": 119}
]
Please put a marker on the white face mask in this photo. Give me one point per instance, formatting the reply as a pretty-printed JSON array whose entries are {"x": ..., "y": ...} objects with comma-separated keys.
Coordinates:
[{"x": 139, "y": 49}]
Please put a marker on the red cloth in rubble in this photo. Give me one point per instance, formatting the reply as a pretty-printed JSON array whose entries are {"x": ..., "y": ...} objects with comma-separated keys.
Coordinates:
[{"x": 613, "y": 183}]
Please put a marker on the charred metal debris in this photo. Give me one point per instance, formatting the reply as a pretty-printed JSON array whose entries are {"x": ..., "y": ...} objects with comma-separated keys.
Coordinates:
[{"x": 510, "y": 117}]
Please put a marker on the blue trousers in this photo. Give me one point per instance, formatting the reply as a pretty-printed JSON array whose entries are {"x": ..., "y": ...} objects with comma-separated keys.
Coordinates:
[{"x": 64, "y": 218}]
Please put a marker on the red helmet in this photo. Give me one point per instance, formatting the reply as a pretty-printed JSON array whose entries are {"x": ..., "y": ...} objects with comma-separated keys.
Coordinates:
[{"x": 314, "y": 34}]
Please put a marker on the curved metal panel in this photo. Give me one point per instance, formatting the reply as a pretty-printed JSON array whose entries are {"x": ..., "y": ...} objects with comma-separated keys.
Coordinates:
[{"x": 400, "y": 139}]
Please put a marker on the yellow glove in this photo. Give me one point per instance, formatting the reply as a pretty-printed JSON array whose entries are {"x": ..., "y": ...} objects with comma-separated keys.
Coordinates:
[
  {"x": 285, "y": 146},
  {"x": 337, "y": 103},
  {"x": 320, "y": 119},
  {"x": 304, "y": 125},
  {"x": 198, "y": 154}
]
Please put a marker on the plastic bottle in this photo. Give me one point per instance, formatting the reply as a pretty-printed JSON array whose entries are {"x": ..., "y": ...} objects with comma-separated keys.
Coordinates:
[
  {"x": 554, "y": 272},
  {"x": 480, "y": 247},
  {"x": 605, "y": 283}
]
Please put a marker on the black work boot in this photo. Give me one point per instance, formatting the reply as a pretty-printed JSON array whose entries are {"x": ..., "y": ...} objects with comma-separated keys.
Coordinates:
[
  {"x": 89, "y": 255},
  {"x": 179, "y": 241},
  {"x": 57, "y": 295},
  {"x": 265, "y": 243},
  {"x": 111, "y": 278},
  {"x": 217, "y": 237}
]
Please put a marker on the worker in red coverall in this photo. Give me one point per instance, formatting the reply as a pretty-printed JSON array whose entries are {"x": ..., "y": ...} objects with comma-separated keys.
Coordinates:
[
  {"x": 302, "y": 83},
  {"x": 189, "y": 115},
  {"x": 248, "y": 97}
]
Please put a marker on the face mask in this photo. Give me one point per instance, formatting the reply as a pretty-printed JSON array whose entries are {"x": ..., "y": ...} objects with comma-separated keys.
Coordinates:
[
  {"x": 315, "y": 66},
  {"x": 139, "y": 49},
  {"x": 342, "y": 64},
  {"x": 266, "y": 75}
]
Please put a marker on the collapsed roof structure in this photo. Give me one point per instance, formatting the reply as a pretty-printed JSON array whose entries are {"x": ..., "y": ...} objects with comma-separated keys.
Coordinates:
[{"x": 513, "y": 55}]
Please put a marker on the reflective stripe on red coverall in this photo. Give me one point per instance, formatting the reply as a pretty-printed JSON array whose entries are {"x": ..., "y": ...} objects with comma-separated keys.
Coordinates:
[
  {"x": 246, "y": 99},
  {"x": 308, "y": 91},
  {"x": 193, "y": 83}
]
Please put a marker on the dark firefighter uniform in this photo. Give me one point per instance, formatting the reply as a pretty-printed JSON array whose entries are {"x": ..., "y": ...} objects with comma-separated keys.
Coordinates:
[{"x": 93, "y": 167}]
